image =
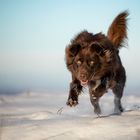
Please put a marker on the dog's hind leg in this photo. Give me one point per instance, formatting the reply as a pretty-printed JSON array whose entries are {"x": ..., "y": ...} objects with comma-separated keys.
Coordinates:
[{"x": 118, "y": 92}]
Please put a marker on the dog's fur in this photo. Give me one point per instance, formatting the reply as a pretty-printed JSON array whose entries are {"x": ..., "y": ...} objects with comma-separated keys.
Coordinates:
[{"x": 93, "y": 60}]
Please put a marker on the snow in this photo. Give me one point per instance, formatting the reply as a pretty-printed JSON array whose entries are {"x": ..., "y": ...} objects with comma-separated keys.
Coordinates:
[{"x": 37, "y": 116}]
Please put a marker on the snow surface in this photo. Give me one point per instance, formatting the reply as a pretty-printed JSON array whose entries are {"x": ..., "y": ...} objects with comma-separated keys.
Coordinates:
[{"x": 36, "y": 116}]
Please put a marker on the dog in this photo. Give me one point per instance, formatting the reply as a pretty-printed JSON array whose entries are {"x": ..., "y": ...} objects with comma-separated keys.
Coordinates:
[{"x": 94, "y": 61}]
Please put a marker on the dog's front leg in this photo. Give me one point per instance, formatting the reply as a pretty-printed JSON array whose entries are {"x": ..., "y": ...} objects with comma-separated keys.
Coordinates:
[
  {"x": 75, "y": 90},
  {"x": 96, "y": 90},
  {"x": 95, "y": 102}
]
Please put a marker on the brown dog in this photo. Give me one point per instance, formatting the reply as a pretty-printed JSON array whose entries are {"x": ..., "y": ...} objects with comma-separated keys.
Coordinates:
[{"x": 93, "y": 60}]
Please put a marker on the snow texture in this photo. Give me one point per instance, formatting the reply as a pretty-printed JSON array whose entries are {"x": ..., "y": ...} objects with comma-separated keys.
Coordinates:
[{"x": 36, "y": 116}]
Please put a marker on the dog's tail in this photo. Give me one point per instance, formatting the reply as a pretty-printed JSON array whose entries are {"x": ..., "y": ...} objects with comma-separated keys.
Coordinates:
[{"x": 117, "y": 32}]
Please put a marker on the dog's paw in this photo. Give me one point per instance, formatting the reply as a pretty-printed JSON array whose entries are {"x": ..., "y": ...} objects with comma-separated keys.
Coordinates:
[
  {"x": 118, "y": 110},
  {"x": 97, "y": 111},
  {"x": 71, "y": 102}
]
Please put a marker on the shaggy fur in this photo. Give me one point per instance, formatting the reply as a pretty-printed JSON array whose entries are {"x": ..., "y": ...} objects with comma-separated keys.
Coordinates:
[{"x": 93, "y": 60}]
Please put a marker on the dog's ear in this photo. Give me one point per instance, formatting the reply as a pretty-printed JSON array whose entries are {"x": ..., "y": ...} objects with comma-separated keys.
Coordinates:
[
  {"x": 74, "y": 49},
  {"x": 96, "y": 47},
  {"x": 117, "y": 32},
  {"x": 70, "y": 53}
]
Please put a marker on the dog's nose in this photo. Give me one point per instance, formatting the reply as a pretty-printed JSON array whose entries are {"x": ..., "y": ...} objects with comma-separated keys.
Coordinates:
[{"x": 83, "y": 76}]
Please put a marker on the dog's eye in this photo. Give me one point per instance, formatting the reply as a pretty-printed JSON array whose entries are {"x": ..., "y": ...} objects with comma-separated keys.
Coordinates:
[
  {"x": 79, "y": 62},
  {"x": 91, "y": 63}
]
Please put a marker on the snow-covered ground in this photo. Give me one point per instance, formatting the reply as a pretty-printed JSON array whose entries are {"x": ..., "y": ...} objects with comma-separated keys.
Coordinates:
[{"x": 36, "y": 116}]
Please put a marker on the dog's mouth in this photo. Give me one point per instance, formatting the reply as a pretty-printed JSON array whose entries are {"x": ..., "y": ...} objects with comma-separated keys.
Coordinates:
[{"x": 84, "y": 82}]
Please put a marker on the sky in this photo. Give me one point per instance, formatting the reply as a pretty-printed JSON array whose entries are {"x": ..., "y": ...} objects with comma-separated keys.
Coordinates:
[{"x": 34, "y": 34}]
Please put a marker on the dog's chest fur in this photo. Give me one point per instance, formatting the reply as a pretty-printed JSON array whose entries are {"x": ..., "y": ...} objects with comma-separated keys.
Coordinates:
[{"x": 104, "y": 82}]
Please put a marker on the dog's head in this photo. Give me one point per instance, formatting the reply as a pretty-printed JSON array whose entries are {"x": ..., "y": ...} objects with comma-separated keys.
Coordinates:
[{"x": 90, "y": 56}]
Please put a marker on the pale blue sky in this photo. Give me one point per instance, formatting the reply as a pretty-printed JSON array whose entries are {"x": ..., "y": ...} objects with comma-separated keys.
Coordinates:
[{"x": 34, "y": 34}]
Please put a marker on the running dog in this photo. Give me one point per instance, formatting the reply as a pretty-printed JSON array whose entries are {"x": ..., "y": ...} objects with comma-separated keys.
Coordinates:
[{"x": 94, "y": 61}]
